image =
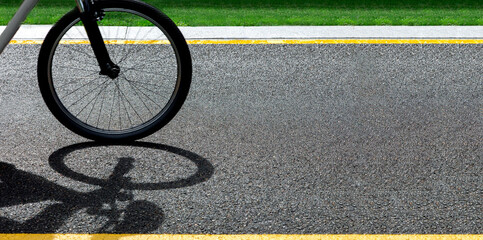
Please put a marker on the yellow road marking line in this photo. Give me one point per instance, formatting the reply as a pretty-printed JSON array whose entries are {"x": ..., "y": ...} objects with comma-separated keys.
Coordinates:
[
  {"x": 277, "y": 41},
  {"x": 236, "y": 237},
  {"x": 341, "y": 41}
]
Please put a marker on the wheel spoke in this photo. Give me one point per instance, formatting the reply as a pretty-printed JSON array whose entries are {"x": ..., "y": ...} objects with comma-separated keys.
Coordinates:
[
  {"x": 147, "y": 96},
  {"x": 96, "y": 96},
  {"x": 93, "y": 105},
  {"x": 77, "y": 89},
  {"x": 124, "y": 105},
  {"x": 133, "y": 108},
  {"x": 142, "y": 71},
  {"x": 100, "y": 110},
  {"x": 139, "y": 97},
  {"x": 143, "y": 85},
  {"x": 84, "y": 96},
  {"x": 149, "y": 89},
  {"x": 72, "y": 78}
]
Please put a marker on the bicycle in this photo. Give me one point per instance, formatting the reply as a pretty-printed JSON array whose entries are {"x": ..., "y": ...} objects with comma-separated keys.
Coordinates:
[{"x": 111, "y": 70}]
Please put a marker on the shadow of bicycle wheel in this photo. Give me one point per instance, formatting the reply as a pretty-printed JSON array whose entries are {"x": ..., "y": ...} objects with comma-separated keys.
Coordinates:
[{"x": 204, "y": 167}]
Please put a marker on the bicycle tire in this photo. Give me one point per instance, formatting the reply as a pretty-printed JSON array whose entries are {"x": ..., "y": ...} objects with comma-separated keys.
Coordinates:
[{"x": 67, "y": 69}]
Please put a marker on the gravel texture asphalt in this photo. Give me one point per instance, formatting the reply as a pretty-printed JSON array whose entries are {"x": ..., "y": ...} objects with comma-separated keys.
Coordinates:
[{"x": 272, "y": 139}]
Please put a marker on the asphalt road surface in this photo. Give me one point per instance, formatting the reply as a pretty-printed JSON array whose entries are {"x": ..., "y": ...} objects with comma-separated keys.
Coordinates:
[{"x": 272, "y": 139}]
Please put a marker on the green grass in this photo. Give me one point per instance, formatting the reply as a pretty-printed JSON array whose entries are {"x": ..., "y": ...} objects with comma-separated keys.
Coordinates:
[{"x": 286, "y": 12}]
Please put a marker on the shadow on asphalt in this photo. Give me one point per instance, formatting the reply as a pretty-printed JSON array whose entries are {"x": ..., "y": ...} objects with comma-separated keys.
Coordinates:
[{"x": 139, "y": 216}]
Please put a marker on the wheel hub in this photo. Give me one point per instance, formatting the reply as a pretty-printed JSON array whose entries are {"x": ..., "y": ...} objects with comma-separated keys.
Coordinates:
[{"x": 111, "y": 70}]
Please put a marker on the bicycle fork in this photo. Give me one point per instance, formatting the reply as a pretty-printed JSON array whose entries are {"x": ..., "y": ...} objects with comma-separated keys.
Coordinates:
[{"x": 89, "y": 17}]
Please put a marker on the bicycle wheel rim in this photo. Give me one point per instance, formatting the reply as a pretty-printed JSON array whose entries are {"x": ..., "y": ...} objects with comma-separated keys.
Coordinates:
[{"x": 165, "y": 104}]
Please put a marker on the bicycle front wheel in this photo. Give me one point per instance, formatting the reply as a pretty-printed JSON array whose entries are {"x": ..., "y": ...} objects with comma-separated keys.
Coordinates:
[{"x": 154, "y": 79}]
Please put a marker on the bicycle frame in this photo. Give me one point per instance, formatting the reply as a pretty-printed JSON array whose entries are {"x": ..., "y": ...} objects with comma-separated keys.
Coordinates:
[
  {"x": 88, "y": 17},
  {"x": 22, "y": 13}
]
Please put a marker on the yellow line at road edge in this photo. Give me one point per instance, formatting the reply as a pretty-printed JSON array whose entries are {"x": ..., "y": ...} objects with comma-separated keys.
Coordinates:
[
  {"x": 341, "y": 41},
  {"x": 277, "y": 41},
  {"x": 235, "y": 237}
]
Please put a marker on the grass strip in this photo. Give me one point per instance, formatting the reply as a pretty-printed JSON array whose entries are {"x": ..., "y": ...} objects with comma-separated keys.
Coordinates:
[{"x": 285, "y": 12}]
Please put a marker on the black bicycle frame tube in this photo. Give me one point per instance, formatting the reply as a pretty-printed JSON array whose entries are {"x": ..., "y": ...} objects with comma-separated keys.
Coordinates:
[
  {"x": 83, "y": 5},
  {"x": 89, "y": 19}
]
